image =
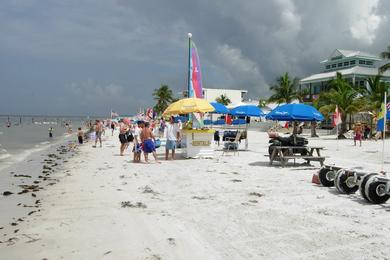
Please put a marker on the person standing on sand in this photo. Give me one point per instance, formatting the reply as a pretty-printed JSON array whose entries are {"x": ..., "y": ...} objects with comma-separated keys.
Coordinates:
[
  {"x": 98, "y": 132},
  {"x": 137, "y": 149},
  {"x": 148, "y": 139},
  {"x": 358, "y": 134},
  {"x": 112, "y": 128},
  {"x": 122, "y": 137},
  {"x": 172, "y": 134}
]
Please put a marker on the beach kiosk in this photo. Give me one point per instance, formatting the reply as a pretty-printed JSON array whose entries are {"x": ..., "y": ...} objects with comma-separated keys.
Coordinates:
[{"x": 197, "y": 142}]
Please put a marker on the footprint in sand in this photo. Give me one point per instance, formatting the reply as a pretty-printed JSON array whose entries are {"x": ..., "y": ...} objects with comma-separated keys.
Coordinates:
[
  {"x": 256, "y": 194},
  {"x": 171, "y": 241}
]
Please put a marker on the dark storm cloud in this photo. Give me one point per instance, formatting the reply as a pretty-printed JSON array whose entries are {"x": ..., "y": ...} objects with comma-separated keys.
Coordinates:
[{"x": 83, "y": 57}]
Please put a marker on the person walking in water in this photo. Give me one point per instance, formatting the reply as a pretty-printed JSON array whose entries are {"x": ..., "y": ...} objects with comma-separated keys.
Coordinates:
[
  {"x": 51, "y": 132},
  {"x": 98, "y": 132},
  {"x": 148, "y": 139},
  {"x": 80, "y": 135}
]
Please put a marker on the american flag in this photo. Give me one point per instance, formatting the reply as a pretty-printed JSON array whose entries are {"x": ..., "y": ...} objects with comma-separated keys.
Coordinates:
[
  {"x": 113, "y": 114},
  {"x": 388, "y": 106}
]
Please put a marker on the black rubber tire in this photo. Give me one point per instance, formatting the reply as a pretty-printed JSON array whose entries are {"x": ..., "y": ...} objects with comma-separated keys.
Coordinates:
[
  {"x": 362, "y": 185},
  {"x": 336, "y": 181},
  {"x": 371, "y": 191},
  {"x": 323, "y": 176},
  {"x": 341, "y": 185}
]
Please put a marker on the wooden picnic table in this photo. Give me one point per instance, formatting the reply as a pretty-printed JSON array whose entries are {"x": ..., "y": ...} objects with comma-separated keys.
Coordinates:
[{"x": 285, "y": 153}]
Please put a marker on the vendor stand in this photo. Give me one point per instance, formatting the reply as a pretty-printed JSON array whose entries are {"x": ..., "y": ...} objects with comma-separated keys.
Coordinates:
[{"x": 197, "y": 142}]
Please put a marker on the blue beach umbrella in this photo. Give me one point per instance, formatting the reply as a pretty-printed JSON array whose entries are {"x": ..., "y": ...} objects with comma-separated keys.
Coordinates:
[
  {"x": 295, "y": 112},
  {"x": 247, "y": 110},
  {"x": 219, "y": 108}
]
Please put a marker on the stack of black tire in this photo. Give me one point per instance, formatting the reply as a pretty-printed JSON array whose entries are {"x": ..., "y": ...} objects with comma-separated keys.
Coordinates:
[{"x": 372, "y": 186}]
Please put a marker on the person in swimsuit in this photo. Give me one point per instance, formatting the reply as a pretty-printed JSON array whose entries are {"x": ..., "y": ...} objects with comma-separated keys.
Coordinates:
[
  {"x": 98, "y": 132},
  {"x": 112, "y": 128},
  {"x": 358, "y": 134},
  {"x": 148, "y": 139},
  {"x": 51, "y": 132},
  {"x": 80, "y": 135},
  {"x": 122, "y": 137}
]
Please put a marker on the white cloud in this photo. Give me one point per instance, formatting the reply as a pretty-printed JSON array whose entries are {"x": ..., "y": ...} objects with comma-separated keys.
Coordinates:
[
  {"x": 240, "y": 70},
  {"x": 363, "y": 19},
  {"x": 290, "y": 20}
]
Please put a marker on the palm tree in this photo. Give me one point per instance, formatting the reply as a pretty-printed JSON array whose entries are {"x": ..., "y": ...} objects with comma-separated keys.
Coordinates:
[
  {"x": 385, "y": 55},
  {"x": 285, "y": 91},
  {"x": 163, "y": 96},
  {"x": 262, "y": 103},
  {"x": 375, "y": 92},
  {"x": 302, "y": 94},
  {"x": 223, "y": 99},
  {"x": 343, "y": 95}
]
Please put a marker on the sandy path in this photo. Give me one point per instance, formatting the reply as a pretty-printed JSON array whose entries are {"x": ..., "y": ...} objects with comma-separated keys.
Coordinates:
[{"x": 231, "y": 207}]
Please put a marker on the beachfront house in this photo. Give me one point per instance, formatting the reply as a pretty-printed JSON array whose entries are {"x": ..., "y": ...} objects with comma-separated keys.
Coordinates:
[{"x": 355, "y": 66}]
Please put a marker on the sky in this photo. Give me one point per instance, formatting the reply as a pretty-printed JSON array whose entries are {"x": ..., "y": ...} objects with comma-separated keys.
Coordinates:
[{"x": 86, "y": 57}]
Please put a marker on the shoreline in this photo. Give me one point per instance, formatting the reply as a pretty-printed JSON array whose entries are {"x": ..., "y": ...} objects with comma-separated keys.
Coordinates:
[
  {"x": 24, "y": 179},
  {"x": 229, "y": 207}
]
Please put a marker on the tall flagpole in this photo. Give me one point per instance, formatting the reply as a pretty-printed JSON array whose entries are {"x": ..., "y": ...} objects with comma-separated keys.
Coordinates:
[
  {"x": 189, "y": 65},
  {"x": 337, "y": 136},
  {"x": 384, "y": 132},
  {"x": 189, "y": 73}
]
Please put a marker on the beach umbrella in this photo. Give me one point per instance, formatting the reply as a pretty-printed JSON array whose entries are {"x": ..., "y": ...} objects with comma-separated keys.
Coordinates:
[
  {"x": 247, "y": 110},
  {"x": 295, "y": 112},
  {"x": 187, "y": 106},
  {"x": 219, "y": 108}
]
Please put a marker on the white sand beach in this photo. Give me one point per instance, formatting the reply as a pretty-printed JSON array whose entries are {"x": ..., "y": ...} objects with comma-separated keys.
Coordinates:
[{"x": 230, "y": 207}]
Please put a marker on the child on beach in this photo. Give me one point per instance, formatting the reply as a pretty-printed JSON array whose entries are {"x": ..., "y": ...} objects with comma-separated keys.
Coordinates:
[
  {"x": 80, "y": 135},
  {"x": 358, "y": 134},
  {"x": 137, "y": 150}
]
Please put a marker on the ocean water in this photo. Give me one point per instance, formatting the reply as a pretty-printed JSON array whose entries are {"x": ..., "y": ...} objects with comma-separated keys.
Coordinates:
[{"x": 27, "y": 135}]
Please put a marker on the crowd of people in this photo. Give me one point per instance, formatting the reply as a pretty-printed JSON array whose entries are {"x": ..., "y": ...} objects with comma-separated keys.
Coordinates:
[{"x": 143, "y": 137}]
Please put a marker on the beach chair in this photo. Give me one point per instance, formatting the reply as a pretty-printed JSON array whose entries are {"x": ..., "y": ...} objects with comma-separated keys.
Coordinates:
[{"x": 232, "y": 144}]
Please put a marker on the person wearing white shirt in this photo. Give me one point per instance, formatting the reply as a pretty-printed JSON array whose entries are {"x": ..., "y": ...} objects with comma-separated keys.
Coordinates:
[
  {"x": 172, "y": 134},
  {"x": 137, "y": 143}
]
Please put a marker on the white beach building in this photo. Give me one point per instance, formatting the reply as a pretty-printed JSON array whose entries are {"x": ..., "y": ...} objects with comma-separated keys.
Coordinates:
[
  {"x": 236, "y": 96},
  {"x": 355, "y": 66}
]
